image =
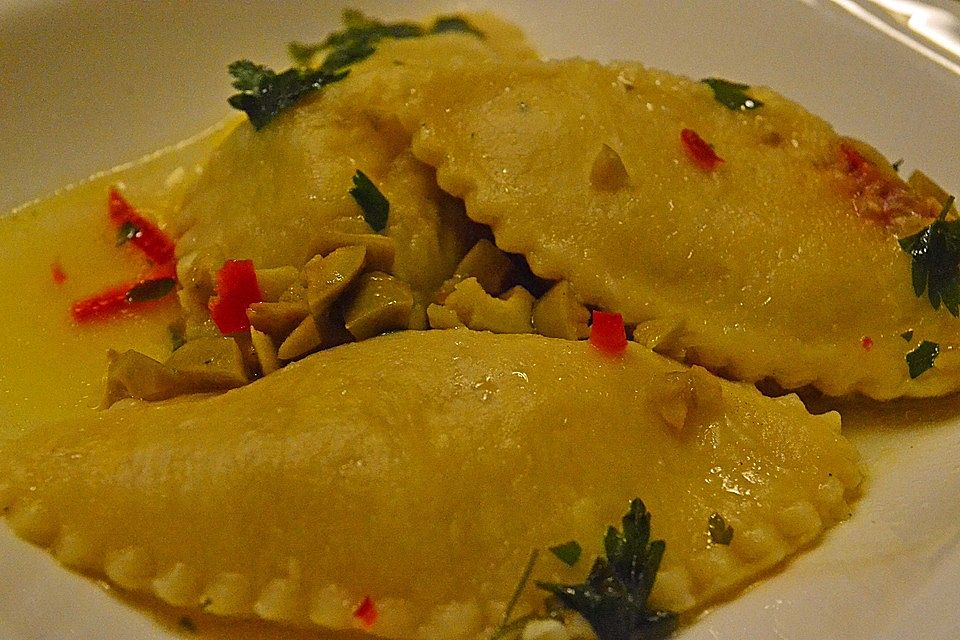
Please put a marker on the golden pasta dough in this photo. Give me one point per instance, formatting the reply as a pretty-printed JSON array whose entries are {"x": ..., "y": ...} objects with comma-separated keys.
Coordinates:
[
  {"x": 271, "y": 195},
  {"x": 420, "y": 469},
  {"x": 768, "y": 241}
]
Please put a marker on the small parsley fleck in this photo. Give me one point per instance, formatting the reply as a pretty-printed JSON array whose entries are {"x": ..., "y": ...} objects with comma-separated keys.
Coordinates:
[
  {"x": 375, "y": 206},
  {"x": 921, "y": 359},
  {"x": 896, "y": 164},
  {"x": 935, "y": 261},
  {"x": 907, "y": 335},
  {"x": 187, "y": 624},
  {"x": 263, "y": 93},
  {"x": 568, "y": 552},
  {"x": 150, "y": 290},
  {"x": 720, "y": 532},
  {"x": 732, "y": 95},
  {"x": 127, "y": 232}
]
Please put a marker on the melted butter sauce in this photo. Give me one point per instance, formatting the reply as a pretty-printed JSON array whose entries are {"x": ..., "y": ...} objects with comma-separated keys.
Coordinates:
[{"x": 53, "y": 368}]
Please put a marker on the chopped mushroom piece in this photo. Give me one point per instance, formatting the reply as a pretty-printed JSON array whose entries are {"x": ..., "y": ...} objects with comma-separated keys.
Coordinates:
[
  {"x": 209, "y": 364},
  {"x": 133, "y": 375},
  {"x": 381, "y": 250},
  {"x": 277, "y": 319},
  {"x": 304, "y": 339},
  {"x": 690, "y": 398},
  {"x": 559, "y": 314},
  {"x": 489, "y": 265},
  {"x": 329, "y": 276},
  {"x": 608, "y": 172},
  {"x": 381, "y": 303},
  {"x": 477, "y": 309},
  {"x": 273, "y": 282},
  {"x": 266, "y": 351}
]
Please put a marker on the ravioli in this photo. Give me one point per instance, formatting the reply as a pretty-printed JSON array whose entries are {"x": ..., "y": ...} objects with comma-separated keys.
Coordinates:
[
  {"x": 772, "y": 254},
  {"x": 271, "y": 195},
  {"x": 420, "y": 469}
]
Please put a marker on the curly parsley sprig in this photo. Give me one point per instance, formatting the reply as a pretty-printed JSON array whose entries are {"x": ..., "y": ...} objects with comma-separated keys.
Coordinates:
[
  {"x": 935, "y": 260},
  {"x": 614, "y": 597}
]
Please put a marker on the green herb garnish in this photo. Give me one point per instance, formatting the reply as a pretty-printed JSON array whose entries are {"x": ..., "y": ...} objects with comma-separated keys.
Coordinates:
[
  {"x": 454, "y": 24},
  {"x": 361, "y": 34},
  {"x": 896, "y": 164},
  {"x": 935, "y": 264},
  {"x": 921, "y": 358},
  {"x": 614, "y": 597},
  {"x": 127, "y": 232},
  {"x": 907, "y": 335},
  {"x": 375, "y": 205},
  {"x": 720, "y": 532},
  {"x": 150, "y": 290},
  {"x": 732, "y": 95},
  {"x": 264, "y": 93},
  {"x": 568, "y": 552},
  {"x": 508, "y": 626}
]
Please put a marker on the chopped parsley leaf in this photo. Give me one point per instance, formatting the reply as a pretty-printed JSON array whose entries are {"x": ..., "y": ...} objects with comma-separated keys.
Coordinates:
[
  {"x": 732, "y": 95},
  {"x": 263, "y": 93},
  {"x": 614, "y": 597},
  {"x": 454, "y": 24},
  {"x": 150, "y": 290},
  {"x": 720, "y": 532},
  {"x": 935, "y": 261},
  {"x": 907, "y": 335},
  {"x": 568, "y": 552},
  {"x": 375, "y": 205},
  {"x": 361, "y": 34},
  {"x": 921, "y": 358},
  {"x": 896, "y": 164},
  {"x": 127, "y": 232}
]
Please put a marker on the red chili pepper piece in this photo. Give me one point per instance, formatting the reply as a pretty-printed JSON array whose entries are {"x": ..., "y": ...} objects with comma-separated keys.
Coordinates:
[
  {"x": 154, "y": 243},
  {"x": 866, "y": 343},
  {"x": 607, "y": 332},
  {"x": 237, "y": 289},
  {"x": 113, "y": 301},
  {"x": 57, "y": 273},
  {"x": 101, "y": 305},
  {"x": 699, "y": 151},
  {"x": 856, "y": 163},
  {"x": 366, "y": 612}
]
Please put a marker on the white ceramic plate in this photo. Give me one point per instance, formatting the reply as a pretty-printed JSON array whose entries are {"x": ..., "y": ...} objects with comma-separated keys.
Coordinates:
[{"x": 86, "y": 85}]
